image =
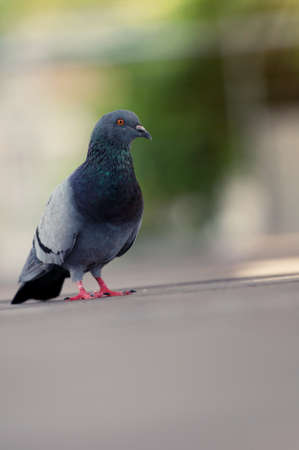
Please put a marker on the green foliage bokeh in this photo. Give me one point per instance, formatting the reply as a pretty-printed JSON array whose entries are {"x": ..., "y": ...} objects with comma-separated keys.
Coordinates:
[
  {"x": 182, "y": 103},
  {"x": 181, "y": 99}
]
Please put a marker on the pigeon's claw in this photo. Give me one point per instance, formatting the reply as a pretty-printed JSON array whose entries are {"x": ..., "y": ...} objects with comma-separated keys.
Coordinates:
[
  {"x": 106, "y": 292},
  {"x": 86, "y": 296},
  {"x": 83, "y": 294},
  {"x": 114, "y": 293}
]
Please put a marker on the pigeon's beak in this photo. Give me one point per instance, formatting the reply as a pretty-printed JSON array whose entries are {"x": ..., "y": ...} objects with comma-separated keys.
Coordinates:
[{"x": 143, "y": 132}]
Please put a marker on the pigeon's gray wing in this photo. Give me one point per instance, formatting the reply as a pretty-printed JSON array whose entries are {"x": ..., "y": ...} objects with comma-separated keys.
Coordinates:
[
  {"x": 131, "y": 240},
  {"x": 33, "y": 268},
  {"x": 58, "y": 231}
]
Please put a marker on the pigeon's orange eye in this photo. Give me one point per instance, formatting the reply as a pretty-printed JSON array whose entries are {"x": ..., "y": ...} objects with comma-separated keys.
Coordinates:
[{"x": 120, "y": 122}]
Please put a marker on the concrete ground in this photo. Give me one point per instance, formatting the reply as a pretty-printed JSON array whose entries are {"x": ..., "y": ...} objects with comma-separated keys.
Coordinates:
[{"x": 211, "y": 364}]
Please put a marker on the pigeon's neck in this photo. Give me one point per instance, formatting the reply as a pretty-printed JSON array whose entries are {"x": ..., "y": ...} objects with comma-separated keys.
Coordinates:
[
  {"x": 105, "y": 147},
  {"x": 109, "y": 165}
]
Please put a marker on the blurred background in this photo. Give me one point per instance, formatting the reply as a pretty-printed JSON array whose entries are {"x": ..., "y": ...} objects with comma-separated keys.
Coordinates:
[{"x": 216, "y": 84}]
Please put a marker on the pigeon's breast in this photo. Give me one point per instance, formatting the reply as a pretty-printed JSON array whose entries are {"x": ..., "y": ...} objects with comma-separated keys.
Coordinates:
[
  {"x": 122, "y": 204},
  {"x": 111, "y": 207},
  {"x": 106, "y": 198}
]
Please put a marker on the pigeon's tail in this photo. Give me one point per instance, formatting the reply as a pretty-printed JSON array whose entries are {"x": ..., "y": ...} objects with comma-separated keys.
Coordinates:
[{"x": 47, "y": 285}]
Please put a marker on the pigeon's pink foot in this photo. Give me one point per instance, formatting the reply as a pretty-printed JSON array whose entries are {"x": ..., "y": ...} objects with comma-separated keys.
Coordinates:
[
  {"x": 109, "y": 293},
  {"x": 105, "y": 291},
  {"x": 83, "y": 294}
]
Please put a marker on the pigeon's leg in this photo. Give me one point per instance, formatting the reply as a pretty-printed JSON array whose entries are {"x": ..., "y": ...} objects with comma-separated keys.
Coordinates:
[
  {"x": 104, "y": 290},
  {"x": 83, "y": 294}
]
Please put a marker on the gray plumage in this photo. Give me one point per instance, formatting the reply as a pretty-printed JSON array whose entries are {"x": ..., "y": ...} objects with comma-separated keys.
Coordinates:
[{"x": 92, "y": 216}]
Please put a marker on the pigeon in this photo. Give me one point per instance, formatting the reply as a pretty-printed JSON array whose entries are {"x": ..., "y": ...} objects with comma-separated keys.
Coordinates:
[{"x": 92, "y": 217}]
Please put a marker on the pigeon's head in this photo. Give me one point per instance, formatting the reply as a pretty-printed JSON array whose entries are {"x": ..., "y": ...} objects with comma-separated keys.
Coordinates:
[{"x": 119, "y": 127}]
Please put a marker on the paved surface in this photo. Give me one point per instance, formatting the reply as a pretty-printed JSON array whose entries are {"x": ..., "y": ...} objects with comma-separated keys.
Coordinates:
[{"x": 204, "y": 365}]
